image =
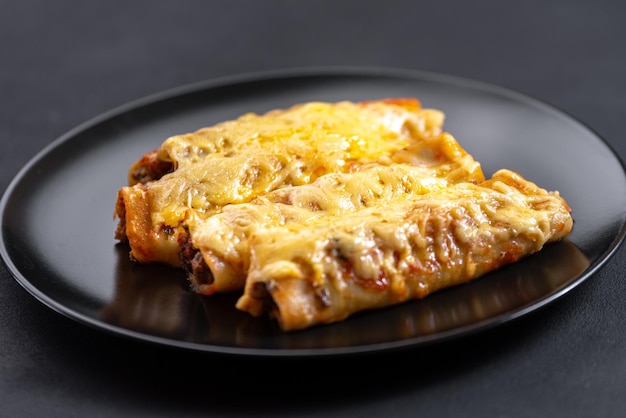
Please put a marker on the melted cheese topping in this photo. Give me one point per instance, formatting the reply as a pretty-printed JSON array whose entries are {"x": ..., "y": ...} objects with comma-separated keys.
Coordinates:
[
  {"x": 338, "y": 133},
  {"x": 328, "y": 268},
  {"x": 326, "y": 209},
  {"x": 235, "y": 161},
  {"x": 223, "y": 239}
]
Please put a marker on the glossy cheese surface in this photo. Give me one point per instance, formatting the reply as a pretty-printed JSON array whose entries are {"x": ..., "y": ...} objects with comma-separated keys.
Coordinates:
[
  {"x": 327, "y": 269},
  {"x": 337, "y": 133},
  {"x": 236, "y": 161},
  {"x": 223, "y": 239},
  {"x": 322, "y": 210}
]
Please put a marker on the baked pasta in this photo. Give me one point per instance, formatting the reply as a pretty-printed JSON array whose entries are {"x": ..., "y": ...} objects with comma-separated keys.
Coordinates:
[
  {"x": 322, "y": 210},
  {"x": 197, "y": 174},
  {"x": 216, "y": 250},
  {"x": 325, "y": 270}
]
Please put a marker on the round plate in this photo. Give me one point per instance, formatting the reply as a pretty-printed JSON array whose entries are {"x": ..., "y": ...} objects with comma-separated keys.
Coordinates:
[{"x": 57, "y": 215}]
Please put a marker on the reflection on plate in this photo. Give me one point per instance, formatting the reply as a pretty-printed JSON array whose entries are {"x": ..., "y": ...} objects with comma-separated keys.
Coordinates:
[
  {"x": 155, "y": 300},
  {"x": 57, "y": 226}
]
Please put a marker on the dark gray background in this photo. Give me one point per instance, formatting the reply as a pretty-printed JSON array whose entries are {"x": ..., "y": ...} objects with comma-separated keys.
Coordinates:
[{"x": 64, "y": 62}]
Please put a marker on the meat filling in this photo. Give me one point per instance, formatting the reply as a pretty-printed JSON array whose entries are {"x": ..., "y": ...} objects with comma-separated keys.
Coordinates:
[
  {"x": 198, "y": 273},
  {"x": 149, "y": 168}
]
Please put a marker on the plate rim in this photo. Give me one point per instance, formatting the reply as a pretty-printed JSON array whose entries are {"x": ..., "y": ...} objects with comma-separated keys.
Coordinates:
[{"x": 278, "y": 75}]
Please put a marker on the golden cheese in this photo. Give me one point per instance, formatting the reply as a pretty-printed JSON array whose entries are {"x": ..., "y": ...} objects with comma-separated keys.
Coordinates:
[
  {"x": 235, "y": 161},
  {"x": 323, "y": 210},
  {"x": 223, "y": 239},
  {"x": 329, "y": 268}
]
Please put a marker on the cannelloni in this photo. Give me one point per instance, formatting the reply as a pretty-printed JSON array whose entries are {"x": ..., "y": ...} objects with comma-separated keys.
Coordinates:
[
  {"x": 323, "y": 210},
  {"x": 235, "y": 161},
  {"x": 328, "y": 269}
]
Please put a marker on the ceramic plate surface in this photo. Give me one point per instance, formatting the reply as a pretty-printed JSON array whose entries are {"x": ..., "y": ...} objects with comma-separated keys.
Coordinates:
[{"x": 57, "y": 215}]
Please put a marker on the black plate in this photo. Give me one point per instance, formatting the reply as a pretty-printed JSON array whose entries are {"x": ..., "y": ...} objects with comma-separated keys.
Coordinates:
[{"x": 57, "y": 215}]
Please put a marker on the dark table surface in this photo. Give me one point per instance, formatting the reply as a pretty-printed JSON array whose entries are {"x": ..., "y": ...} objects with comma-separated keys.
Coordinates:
[{"x": 64, "y": 62}]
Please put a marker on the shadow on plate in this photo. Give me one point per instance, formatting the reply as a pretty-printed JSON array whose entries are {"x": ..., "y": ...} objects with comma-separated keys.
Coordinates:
[{"x": 155, "y": 300}]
